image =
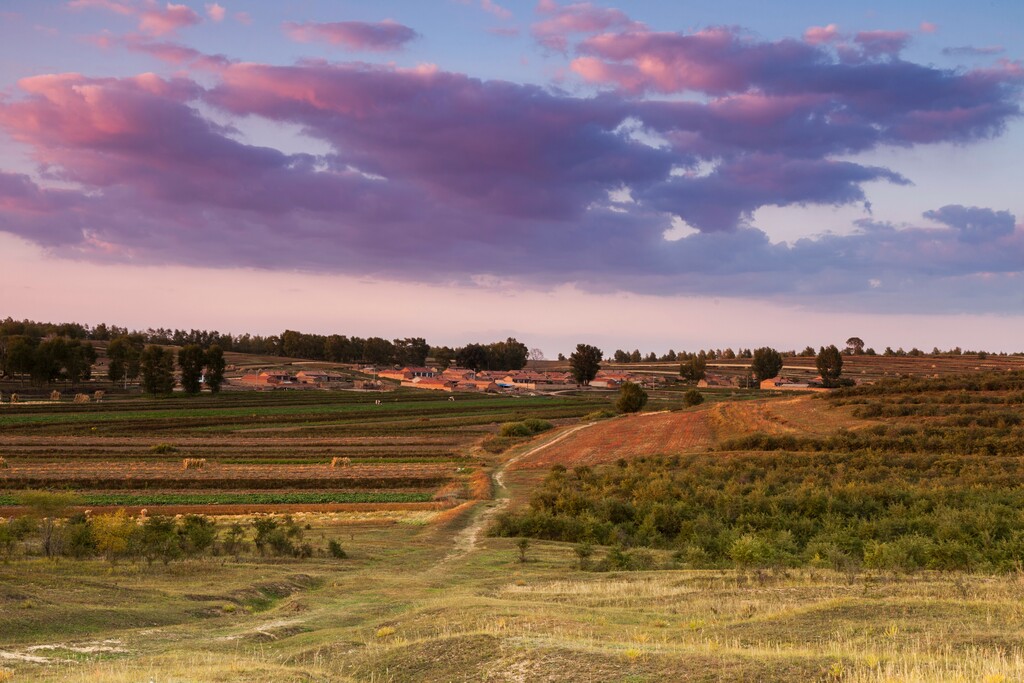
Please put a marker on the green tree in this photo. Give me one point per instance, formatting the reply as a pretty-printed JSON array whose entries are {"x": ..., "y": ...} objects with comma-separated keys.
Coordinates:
[
  {"x": 694, "y": 369},
  {"x": 411, "y": 351},
  {"x": 584, "y": 363},
  {"x": 157, "y": 364},
  {"x": 191, "y": 360},
  {"x": 472, "y": 356},
  {"x": 196, "y": 534},
  {"x": 855, "y": 345},
  {"x": 215, "y": 366},
  {"x": 47, "y": 507},
  {"x": 830, "y": 364},
  {"x": 767, "y": 363},
  {"x": 124, "y": 355},
  {"x": 632, "y": 398},
  {"x": 158, "y": 539}
]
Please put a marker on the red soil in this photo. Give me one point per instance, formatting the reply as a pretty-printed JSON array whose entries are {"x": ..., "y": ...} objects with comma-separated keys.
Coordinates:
[{"x": 626, "y": 437}]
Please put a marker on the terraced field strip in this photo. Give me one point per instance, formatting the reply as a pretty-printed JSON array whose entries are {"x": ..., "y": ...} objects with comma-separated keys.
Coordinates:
[{"x": 133, "y": 474}]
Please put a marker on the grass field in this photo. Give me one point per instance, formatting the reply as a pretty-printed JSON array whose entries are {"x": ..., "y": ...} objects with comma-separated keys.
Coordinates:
[{"x": 425, "y": 595}]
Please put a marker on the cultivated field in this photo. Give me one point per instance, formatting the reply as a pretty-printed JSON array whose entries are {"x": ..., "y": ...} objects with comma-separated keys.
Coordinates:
[{"x": 873, "y": 535}]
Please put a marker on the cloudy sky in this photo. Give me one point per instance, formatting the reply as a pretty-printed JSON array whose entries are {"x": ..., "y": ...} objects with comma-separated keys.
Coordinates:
[{"x": 643, "y": 174}]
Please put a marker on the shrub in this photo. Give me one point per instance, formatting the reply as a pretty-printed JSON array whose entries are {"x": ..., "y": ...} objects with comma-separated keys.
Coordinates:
[
  {"x": 632, "y": 398},
  {"x": 536, "y": 425},
  {"x": 335, "y": 549},
  {"x": 693, "y": 398},
  {"x": 162, "y": 448},
  {"x": 514, "y": 429},
  {"x": 3, "y": 463},
  {"x": 598, "y": 415}
]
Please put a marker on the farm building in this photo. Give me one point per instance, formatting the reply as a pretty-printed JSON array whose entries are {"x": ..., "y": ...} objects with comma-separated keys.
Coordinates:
[{"x": 268, "y": 379}]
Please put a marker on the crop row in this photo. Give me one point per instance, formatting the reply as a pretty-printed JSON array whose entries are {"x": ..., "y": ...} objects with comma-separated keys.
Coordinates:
[
  {"x": 182, "y": 482},
  {"x": 262, "y": 498}
]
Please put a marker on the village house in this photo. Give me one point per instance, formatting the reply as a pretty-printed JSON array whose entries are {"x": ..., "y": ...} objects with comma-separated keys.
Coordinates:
[
  {"x": 781, "y": 383},
  {"x": 711, "y": 381},
  {"x": 435, "y": 383},
  {"x": 409, "y": 372},
  {"x": 318, "y": 377},
  {"x": 268, "y": 379}
]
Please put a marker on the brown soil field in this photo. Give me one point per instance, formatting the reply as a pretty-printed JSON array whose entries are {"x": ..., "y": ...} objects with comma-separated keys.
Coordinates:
[
  {"x": 627, "y": 437},
  {"x": 245, "y": 508}
]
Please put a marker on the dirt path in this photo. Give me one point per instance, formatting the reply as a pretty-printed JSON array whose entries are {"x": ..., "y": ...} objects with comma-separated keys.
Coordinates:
[{"x": 467, "y": 540}]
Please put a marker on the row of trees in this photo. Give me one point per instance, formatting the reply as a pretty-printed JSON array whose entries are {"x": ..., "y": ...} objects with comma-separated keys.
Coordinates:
[
  {"x": 156, "y": 364},
  {"x": 45, "y": 361},
  {"x": 117, "y": 536},
  {"x": 510, "y": 354}
]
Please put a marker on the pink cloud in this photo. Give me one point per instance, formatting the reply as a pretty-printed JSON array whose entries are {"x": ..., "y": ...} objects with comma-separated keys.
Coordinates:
[
  {"x": 495, "y": 9},
  {"x": 158, "y": 22},
  {"x": 561, "y": 22},
  {"x": 216, "y": 12},
  {"x": 243, "y": 18},
  {"x": 173, "y": 53},
  {"x": 153, "y": 19},
  {"x": 122, "y": 8},
  {"x": 382, "y": 36},
  {"x": 817, "y": 35},
  {"x": 928, "y": 27}
]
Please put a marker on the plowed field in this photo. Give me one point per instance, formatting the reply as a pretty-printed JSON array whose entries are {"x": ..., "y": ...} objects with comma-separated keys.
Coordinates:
[{"x": 626, "y": 437}]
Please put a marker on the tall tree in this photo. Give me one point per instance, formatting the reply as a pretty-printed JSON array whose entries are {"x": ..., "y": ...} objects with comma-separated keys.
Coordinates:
[
  {"x": 584, "y": 362},
  {"x": 472, "y": 356},
  {"x": 693, "y": 370},
  {"x": 215, "y": 368},
  {"x": 830, "y": 364},
  {"x": 855, "y": 345},
  {"x": 191, "y": 360},
  {"x": 157, "y": 365},
  {"x": 767, "y": 363},
  {"x": 411, "y": 351},
  {"x": 124, "y": 354}
]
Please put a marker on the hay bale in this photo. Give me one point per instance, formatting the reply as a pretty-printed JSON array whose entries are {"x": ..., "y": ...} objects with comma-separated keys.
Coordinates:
[
  {"x": 81, "y": 398},
  {"x": 54, "y": 395},
  {"x": 193, "y": 463},
  {"x": 340, "y": 462},
  {"x": 98, "y": 395},
  {"x": 3, "y": 463},
  {"x": 14, "y": 398}
]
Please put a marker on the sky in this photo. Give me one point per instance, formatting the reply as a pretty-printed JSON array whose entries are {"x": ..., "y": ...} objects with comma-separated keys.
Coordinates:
[{"x": 634, "y": 175}]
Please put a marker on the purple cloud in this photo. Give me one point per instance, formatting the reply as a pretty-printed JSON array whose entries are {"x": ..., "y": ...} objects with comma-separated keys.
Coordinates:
[
  {"x": 973, "y": 224},
  {"x": 382, "y": 36},
  {"x": 438, "y": 175},
  {"x": 970, "y": 51}
]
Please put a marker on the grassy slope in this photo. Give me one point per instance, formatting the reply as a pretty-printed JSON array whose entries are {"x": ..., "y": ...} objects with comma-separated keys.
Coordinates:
[{"x": 392, "y": 613}]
